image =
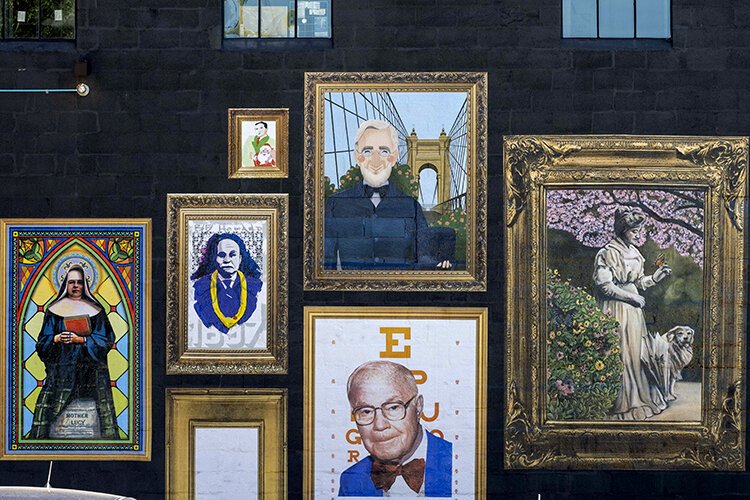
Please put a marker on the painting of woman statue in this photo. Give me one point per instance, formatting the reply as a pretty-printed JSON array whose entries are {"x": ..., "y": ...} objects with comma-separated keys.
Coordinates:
[
  {"x": 76, "y": 336},
  {"x": 618, "y": 277}
]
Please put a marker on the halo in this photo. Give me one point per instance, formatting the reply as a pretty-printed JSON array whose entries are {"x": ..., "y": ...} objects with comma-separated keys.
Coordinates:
[{"x": 89, "y": 268}]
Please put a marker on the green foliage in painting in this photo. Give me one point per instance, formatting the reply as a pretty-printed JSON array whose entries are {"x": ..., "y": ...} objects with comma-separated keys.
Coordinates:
[
  {"x": 583, "y": 354},
  {"x": 401, "y": 177},
  {"x": 328, "y": 188},
  {"x": 456, "y": 220}
]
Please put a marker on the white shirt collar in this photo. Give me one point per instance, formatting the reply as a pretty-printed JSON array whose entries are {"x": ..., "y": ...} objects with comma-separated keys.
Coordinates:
[{"x": 400, "y": 488}]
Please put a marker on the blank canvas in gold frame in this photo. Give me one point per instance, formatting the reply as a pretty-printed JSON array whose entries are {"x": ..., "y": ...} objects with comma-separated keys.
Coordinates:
[
  {"x": 472, "y": 276},
  {"x": 244, "y": 162},
  {"x": 226, "y": 211},
  {"x": 191, "y": 409},
  {"x": 711, "y": 170}
]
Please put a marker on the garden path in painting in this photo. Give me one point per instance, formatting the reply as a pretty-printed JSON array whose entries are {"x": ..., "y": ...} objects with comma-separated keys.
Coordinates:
[{"x": 585, "y": 362}]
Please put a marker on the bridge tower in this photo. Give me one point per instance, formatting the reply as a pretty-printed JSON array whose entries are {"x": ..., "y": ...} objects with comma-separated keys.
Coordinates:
[{"x": 433, "y": 154}]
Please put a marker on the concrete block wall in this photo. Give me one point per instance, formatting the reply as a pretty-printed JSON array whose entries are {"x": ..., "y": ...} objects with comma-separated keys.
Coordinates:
[{"x": 156, "y": 123}]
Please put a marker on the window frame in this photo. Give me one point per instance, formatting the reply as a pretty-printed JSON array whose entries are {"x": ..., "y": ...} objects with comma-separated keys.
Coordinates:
[
  {"x": 634, "y": 38},
  {"x": 6, "y": 18},
  {"x": 242, "y": 40}
]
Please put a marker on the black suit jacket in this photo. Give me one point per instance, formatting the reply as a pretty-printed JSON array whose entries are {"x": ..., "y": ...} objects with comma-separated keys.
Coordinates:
[{"x": 393, "y": 235}]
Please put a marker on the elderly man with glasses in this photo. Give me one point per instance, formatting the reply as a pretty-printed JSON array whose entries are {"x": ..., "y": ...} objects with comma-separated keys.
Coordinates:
[{"x": 404, "y": 459}]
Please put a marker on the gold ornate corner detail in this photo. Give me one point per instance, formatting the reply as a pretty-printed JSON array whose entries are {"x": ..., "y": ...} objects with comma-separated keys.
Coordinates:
[
  {"x": 720, "y": 448},
  {"x": 526, "y": 157},
  {"x": 523, "y": 447},
  {"x": 727, "y": 157}
]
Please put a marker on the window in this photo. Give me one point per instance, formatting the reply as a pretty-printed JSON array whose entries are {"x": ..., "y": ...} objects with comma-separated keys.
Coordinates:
[
  {"x": 37, "y": 19},
  {"x": 616, "y": 19},
  {"x": 277, "y": 19}
]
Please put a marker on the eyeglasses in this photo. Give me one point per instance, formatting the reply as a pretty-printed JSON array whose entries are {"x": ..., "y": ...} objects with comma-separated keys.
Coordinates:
[{"x": 392, "y": 410}]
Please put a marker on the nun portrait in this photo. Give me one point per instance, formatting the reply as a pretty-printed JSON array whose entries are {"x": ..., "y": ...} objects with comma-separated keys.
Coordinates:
[
  {"x": 226, "y": 283},
  {"x": 76, "y": 398}
]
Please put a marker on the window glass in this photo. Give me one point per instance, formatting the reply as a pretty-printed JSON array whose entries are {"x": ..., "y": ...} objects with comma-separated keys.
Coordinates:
[
  {"x": 616, "y": 19},
  {"x": 58, "y": 19},
  {"x": 23, "y": 17},
  {"x": 249, "y": 18},
  {"x": 653, "y": 19},
  {"x": 277, "y": 19},
  {"x": 37, "y": 19},
  {"x": 313, "y": 19},
  {"x": 579, "y": 18}
]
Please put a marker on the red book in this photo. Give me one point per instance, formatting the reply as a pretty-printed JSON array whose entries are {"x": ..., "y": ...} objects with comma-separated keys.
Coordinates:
[{"x": 80, "y": 325}]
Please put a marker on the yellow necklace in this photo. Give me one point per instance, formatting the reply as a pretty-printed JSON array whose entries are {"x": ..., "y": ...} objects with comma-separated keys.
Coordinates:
[{"x": 229, "y": 322}]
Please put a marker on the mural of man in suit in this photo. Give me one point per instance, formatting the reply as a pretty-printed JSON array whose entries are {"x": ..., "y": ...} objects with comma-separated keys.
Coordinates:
[
  {"x": 251, "y": 149},
  {"x": 405, "y": 459},
  {"x": 373, "y": 225}
]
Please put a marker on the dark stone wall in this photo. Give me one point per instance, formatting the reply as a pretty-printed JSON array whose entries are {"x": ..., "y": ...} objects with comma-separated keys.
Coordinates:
[{"x": 156, "y": 123}]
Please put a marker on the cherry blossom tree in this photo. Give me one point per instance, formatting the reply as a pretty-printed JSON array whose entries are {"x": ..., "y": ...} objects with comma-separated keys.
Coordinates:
[{"x": 674, "y": 218}]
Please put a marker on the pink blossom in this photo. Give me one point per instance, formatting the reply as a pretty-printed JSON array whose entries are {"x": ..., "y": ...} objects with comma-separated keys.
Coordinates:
[{"x": 674, "y": 218}]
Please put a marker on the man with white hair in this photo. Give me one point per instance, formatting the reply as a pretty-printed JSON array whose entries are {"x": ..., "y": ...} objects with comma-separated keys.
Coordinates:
[
  {"x": 373, "y": 224},
  {"x": 405, "y": 459}
]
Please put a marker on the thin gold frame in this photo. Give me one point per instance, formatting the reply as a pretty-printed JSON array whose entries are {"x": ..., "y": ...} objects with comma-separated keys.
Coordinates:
[
  {"x": 474, "y": 278},
  {"x": 235, "y": 118},
  {"x": 187, "y": 409},
  {"x": 181, "y": 208},
  {"x": 146, "y": 366},
  {"x": 717, "y": 165},
  {"x": 320, "y": 312}
]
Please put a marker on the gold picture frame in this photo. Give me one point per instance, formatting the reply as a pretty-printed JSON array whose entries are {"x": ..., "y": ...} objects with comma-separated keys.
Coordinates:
[
  {"x": 452, "y": 159},
  {"x": 253, "y": 156},
  {"x": 262, "y": 411},
  {"x": 114, "y": 257},
  {"x": 200, "y": 338},
  {"x": 452, "y": 400},
  {"x": 672, "y": 190}
]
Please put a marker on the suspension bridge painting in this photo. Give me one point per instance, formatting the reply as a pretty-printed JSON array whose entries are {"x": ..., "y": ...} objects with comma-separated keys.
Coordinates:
[{"x": 395, "y": 181}]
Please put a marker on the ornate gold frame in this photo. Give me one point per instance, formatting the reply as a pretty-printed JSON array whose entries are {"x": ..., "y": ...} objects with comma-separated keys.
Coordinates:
[
  {"x": 145, "y": 403},
  {"x": 474, "y": 278},
  {"x": 476, "y": 313},
  {"x": 235, "y": 118},
  {"x": 186, "y": 409},
  {"x": 181, "y": 208},
  {"x": 717, "y": 165}
]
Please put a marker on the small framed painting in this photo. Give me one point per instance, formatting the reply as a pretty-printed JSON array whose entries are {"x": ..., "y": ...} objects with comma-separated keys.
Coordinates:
[
  {"x": 226, "y": 443},
  {"x": 76, "y": 343},
  {"x": 258, "y": 142},
  {"x": 227, "y": 283},
  {"x": 395, "y": 402}
]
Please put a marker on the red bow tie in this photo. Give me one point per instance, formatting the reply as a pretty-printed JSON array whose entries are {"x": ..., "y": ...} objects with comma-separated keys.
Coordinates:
[{"x": 384, "y": 474}]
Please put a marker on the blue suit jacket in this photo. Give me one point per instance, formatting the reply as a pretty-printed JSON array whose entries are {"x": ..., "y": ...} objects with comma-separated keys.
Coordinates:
[
  {"x": 393, "y": 235},
  {"x": 356, "y": 482},
  {"x": 229, "y": 303}
]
